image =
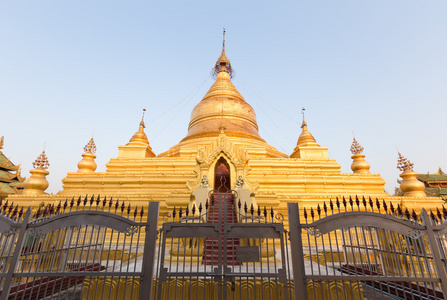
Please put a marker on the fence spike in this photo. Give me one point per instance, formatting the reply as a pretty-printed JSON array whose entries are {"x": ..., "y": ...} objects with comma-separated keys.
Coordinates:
[
  {"x": 344, "y": 202},
  {"x": 141, "y": 212},
  {"x": 200, "y": 208},
  {"x": 78, "y": 202},
  {"x": 193, "y": 210},
  {"x": 180, "y": 213},
  {"x": 385, "y": 207},
  {"x": 259, "y": 211},
  {"x": 407, "y": 214},
  {"x": 72, "y": 203},
  {"x": 331, "y": 205},
  {"x": 272, "y": 213},
  {"x": 357, "y": 201},
  {"x": 15, "y": 211},
  {"x": 135, "y": 213},
  {"x": 92, "y": 199},
  {"x": 104, "y": 202},
  {"x": 239, "y": 204},
  {"x": 378, "y": 204},
  {"x": 305, "y": 214},
  {"x": 5, "y": 205},
  {"x": 325, "y": 207},
  {"x": 117, "y": 204},
  {"x": 438, "y": 213},
  {"x": 11, "y": 207},
  {"x": 391, "y": 207},
  {"x": 58, "y": 208},
  {"x": 350, "y": 202},
  {"x": 85, "y": 200},
  {"x": 206, "y": 204},
  {"x": 51, "y": 209},
  {"x": 110, "y": 202},
  {"x": 128, "y": 209},
  {"x": 319, "y": 210},
  {"x": 399, "y": 210},
  {"x": 123, "y": 206},
  {"x": 364, "y": 202},
  {"x": 414, "y": 215},
  {"x": 444, "y": 211},
  {"x": 337, "y": 203},
  {"x": 371, "y": 204},
  {"x": 98, "y": 199},
  {"x": 252, "y": 210},
  {"x": 245, "y": 208},
  {"x": 21, "y": 212},
  {"x": 187, "y": 211},
  {"x": 1, "y": 202},
  {"x": 265, "y": 213}
]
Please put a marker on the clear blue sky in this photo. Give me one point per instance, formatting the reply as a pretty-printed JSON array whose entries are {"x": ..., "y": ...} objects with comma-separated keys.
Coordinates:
[{"x": 378, "y": 68}]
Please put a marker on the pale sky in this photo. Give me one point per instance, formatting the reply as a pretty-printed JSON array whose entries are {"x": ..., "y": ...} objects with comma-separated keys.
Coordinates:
[{"x": 375, "y": 68}]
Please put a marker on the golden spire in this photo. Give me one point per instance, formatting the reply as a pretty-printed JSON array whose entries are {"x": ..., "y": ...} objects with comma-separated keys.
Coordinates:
[
  {"x": 88, "y": 164},
  {"x": 140, "y": 138},
  {"x": 410, "y": 185},
  {"x": 223, "y": 63},
  {"x": 306, "y": 138},
  {"x": 37, "y": 183},
  {"x": 223, "y": 107},
  {"x": 359, "y": 164}
]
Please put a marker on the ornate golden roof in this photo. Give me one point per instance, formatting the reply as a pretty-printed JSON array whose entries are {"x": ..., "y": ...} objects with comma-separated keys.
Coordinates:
[{"x": 223, "y": 107}]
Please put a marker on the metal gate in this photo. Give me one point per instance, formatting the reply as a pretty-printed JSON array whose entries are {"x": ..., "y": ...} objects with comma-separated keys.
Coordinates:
[
  {"x": 357, "y": 249},
  {"x": 224, "y": 249},
  {"x": 90, "y": 249}
]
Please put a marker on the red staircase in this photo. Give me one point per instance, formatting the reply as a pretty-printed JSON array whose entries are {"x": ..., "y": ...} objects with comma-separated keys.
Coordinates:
[{"x": 211, "y": 252}]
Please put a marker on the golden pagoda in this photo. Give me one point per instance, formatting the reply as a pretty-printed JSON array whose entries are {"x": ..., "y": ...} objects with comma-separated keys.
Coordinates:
[{"x": 223, "y": 131}]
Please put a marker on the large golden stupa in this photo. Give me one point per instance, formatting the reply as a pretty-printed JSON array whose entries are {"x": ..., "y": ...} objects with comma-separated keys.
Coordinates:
[{"x": 223, "y": 130}]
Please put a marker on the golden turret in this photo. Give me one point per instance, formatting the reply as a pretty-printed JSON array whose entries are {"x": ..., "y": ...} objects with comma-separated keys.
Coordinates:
[
  {"x": 88, "y": 164},
  {"x": 410, "y": 185},
  {"x": 359, "y": 164},
  {"x": 138, "y": 145},
  {"x": 307, "y": 146},
  {"x": 223, "y": 107},
  {"x": 37, "y": 183}
]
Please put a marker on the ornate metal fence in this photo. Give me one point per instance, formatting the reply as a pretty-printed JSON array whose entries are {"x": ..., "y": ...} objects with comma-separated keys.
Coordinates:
[
  {"x": 356, "y": 248},
  {"x": 97, "y": 249}
]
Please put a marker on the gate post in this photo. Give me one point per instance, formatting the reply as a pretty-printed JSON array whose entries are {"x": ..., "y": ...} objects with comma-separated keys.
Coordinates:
[
  {"x": 15, "y": 256},
  {"x": 436, "y": 252},
  {"x": 150, "y": 242},
  {"x": 296, "y": 244}
]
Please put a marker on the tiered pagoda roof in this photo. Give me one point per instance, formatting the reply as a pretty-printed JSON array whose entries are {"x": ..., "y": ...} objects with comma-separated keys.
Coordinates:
[{"x": 11, "y": 182}]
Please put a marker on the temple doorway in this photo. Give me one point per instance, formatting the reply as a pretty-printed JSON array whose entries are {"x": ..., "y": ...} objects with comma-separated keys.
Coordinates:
[{"x": 222, "y": 181}]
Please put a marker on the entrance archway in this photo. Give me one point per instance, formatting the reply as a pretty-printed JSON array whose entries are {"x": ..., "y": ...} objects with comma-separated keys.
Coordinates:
[{"x": 222, "y": 181}]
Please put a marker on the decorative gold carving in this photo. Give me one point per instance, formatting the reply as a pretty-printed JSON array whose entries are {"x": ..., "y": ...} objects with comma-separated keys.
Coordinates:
[
  {"x": 403, "y": 164},
  {"x": 90, "y": 147},
  {"x": 356, "y": 148},
  {"x": 41, "y": 162}
]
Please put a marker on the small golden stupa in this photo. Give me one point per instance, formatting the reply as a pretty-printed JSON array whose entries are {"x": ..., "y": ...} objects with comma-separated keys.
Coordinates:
[
  {"x": 359, "y": 164},
  {"x": 88, "y": 164},
  {"x": 37, "y": 183},
  {"x": 410, "y": 185}
]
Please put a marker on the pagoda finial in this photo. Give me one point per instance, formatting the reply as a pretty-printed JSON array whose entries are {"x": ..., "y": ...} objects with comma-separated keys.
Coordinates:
[
  {"x": 87, "y": 164},
  {"x": 223, "y": 63},
  {"x": 304, "y": 121},
  {"x": 142, "y": 119},
  {"x": 41, "y": 161},
  {"x": 359, "y": 164},
  {"x": 403, "y": 164},
  {"x": 37, "y": 183},
  {"x": 356, "y": 148},
  {"x": 410, "y": 185},
  {"x": 90, "y": 147}
]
